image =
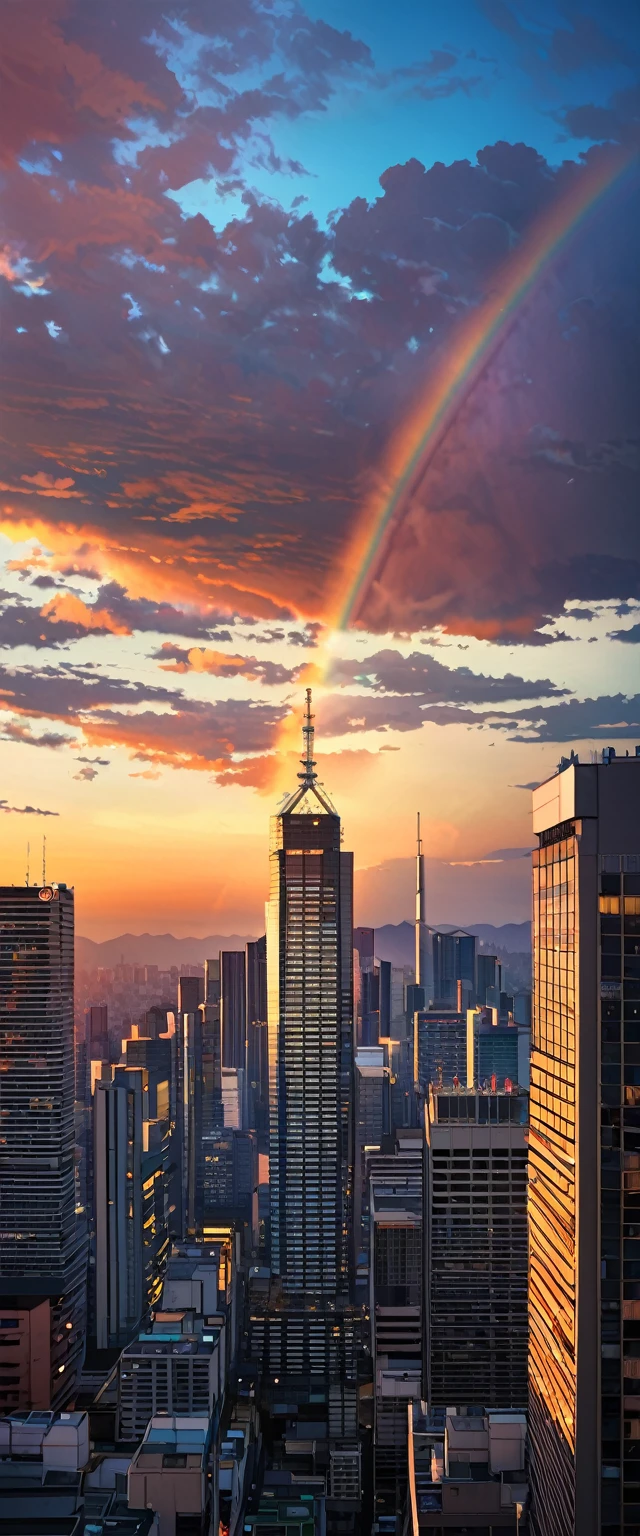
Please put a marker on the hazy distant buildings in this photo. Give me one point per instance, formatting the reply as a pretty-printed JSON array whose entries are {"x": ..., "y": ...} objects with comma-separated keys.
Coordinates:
[
  {"x": 43, "y": 1246},
  {"x": 584, "y": 1151},
  {"x": 310, "y": 993}
]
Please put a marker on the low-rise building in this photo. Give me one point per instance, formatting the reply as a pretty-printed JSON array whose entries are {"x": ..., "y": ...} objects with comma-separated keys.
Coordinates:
[
  {"x": 466, "y": 1471},
  {"x": 171, "y": 1473}
]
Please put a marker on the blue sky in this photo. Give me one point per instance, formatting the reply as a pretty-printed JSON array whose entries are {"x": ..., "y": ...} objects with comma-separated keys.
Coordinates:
[{"x": 520, "y": 69}]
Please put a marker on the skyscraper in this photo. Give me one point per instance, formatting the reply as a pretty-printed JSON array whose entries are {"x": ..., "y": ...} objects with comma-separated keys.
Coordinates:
[
  {"x": 454, "y": 960},
  {"x": 424, "y": 969},
  {"x": 584, "y": 1151},
  {"x": 233, "y": 1008},
  {"x": 131, "y": 1131},
  {"x": 310, "y": 992},
  {"x": 43, "y": 1246},
  {"x": 476, "y": 1252}
]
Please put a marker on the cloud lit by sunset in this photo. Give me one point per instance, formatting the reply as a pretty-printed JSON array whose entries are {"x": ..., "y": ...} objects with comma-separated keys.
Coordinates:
[{"x": 241, "y": 253}]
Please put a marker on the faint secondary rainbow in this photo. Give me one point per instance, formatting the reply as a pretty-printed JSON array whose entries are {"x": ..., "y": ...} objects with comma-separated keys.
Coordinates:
[{"x": 474, "y": 344}]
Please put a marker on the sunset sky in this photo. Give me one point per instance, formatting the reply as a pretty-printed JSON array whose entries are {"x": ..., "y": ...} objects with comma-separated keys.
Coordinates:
[{"x": 242, "y": 243}]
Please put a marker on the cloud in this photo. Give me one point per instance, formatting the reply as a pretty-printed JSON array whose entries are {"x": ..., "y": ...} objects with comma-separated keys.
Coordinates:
[
  {"x": 426, "y": 677},
  {"x": 156, "y": 724},
  {"x": 175, "y": 658},
  {"x": 582, "y": 44},
  {"x": 87, "y": 774},
  {"x": 431, "y": 78},
  {"x": 614, "y": 716},
  {"x": 221, "y": 480},
  {"x": 627, "y": 636},
  {"x": 25, "y": 810},
  {"x": 14, "y": 731}
]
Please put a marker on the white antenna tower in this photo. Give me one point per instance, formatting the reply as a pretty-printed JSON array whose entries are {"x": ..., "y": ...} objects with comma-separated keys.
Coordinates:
[
  {"x": 44, "y": 861},
  {"x": 28, "y": 852}
]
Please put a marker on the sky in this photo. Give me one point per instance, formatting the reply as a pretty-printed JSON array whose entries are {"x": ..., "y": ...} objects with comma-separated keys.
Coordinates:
[{"x": 242, "y": 246}]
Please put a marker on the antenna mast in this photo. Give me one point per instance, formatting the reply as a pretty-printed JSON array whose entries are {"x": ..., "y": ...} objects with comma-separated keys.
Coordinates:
[
  {"x": 309, "y": 775},
  {"x": 44, "y": 860},
  {"x": 28, "y": 852}
]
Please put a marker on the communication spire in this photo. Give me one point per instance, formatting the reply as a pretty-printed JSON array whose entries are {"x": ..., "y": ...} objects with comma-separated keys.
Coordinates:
[
  {"x": 44, "y": 861},
  {"x": 308, "y": 775},
  {"x": 28, "y": 853}
]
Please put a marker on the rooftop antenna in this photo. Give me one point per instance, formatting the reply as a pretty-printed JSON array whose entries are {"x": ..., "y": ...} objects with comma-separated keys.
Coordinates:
[
  {"x": 28, "y": 852},
  {"x": 308, "y": 775},
  {"x": 44, "y": 861}
]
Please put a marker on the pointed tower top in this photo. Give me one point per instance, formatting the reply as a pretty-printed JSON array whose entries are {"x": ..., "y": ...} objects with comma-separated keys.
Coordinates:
[
  {"x": 308, "y": 775},
  {"x": 419, "y": 837}
]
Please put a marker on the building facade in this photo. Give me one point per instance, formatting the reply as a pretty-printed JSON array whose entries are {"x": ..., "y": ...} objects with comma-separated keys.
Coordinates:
[
  {"x": 476, "y": 1249},
  {"x": 310, "y": 1018},
  {"x": 131, "y": 1215},
  {"x": 43, "y": 1243},
  {"x": 584, "y": 1148}
]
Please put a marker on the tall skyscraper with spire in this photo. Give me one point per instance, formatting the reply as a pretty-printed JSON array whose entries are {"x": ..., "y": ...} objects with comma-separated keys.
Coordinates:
[{"x": 310, "y": 1026}]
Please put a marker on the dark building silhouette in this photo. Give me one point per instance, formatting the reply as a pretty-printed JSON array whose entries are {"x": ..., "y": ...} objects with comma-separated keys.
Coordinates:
[{"x": 43, "y": 1251}]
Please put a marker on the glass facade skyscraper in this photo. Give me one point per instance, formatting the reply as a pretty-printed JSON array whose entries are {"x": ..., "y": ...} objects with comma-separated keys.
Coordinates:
[
  {"x": 310, "y": 1020},
  {"x": 584, "y": 1149},
  {"x": 43, "y": 1244}
]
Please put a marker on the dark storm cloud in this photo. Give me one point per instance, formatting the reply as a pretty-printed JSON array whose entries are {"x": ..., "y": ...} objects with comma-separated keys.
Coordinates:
[{"x": 210, "y": 429}]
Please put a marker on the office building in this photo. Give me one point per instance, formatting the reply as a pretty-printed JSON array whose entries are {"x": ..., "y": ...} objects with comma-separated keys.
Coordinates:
[
  {"x": 365, "y": 986},
  {"x": 233, "y": 1008},
  {"x": 190, "y": 993},
  {"x": 310, "y": 991},
  {"x": 497, "y": 1052},
  {"x": 466, "y": 1471},
  {"x": 172, "y": 1374},
  {"x": 454, "y": 961},
  {"x": 584, "y": 1151},
  {"x": 258, "y": 1040},
  {"x": 371, "y": 1122},
  {"x": 171, "y": 1473},
  {"x": 424, "y": 954},
  {"x": 488, "y": 977},
  {"x": 130, "y": 1207},
  {"x": 476, "y": 1248},
  {"x": 440, "y": 1049},
  {"x": 43, "y": 1252},
  {"x": 395, "y": 1304}
]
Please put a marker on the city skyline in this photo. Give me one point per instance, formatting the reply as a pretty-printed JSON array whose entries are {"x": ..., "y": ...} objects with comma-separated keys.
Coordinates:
[{"x": 325, "y": 383}]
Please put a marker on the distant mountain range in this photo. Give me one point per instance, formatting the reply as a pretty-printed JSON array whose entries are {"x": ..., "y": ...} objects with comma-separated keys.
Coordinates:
[
  {"x": 394, "y": 942},
  {"x": 160, "y": 949}
]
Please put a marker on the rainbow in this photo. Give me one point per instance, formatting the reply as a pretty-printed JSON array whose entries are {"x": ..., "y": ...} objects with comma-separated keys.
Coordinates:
[{"x": 474, "y": 345}]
